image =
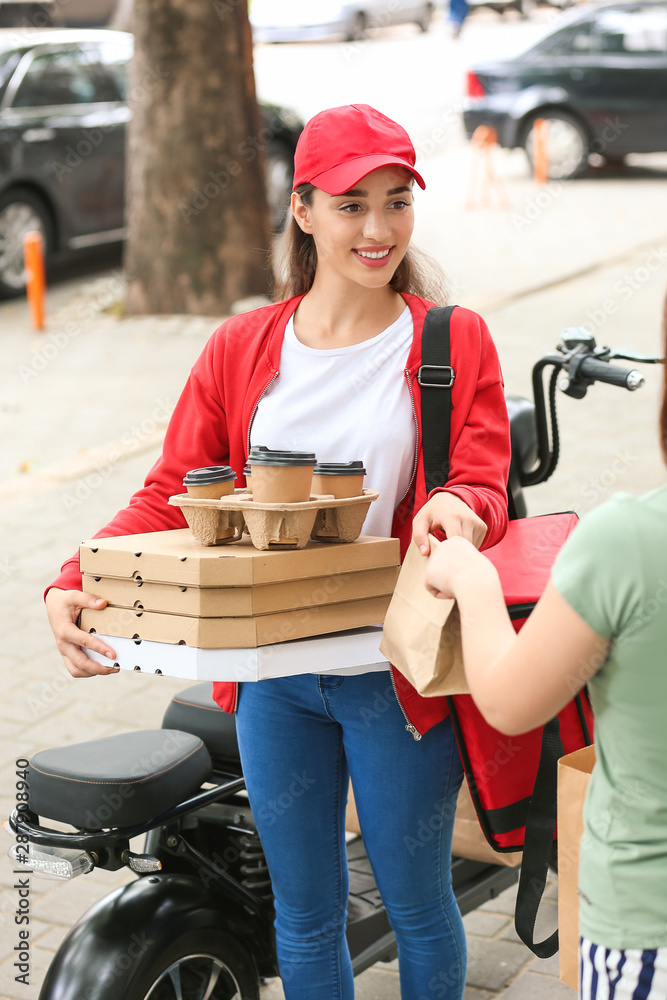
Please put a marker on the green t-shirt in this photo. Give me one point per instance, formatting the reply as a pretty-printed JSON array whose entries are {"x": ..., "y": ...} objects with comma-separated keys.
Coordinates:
[{"x": 613, "y": 572}]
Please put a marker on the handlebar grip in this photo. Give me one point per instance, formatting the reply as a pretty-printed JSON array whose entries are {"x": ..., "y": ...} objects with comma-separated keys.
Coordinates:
[{"x": 602, "y": 371}]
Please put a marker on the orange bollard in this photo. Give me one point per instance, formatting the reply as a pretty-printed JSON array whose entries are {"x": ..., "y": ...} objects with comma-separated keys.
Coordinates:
[
  {"x": 541, "y": 150},
  {"x": 484, "y": 140},
  {"x": 33, "y": 255}
]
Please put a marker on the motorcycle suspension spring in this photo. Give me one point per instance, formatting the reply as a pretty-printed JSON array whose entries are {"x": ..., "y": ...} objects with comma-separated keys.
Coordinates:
[{"x": 253, "y": 868}]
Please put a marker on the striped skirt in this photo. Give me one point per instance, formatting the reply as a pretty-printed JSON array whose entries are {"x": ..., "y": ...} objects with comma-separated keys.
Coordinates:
[{"x": 631, "y": 974}]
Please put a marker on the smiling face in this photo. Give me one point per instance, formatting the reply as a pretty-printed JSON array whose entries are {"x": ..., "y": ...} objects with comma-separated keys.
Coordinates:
[{"x": 361, "y": 236}]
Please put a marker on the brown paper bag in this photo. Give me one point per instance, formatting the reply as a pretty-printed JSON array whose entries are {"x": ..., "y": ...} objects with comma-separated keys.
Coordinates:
[
  {"x": 469, "y": 840},
  {"x": 574, "y": 772},
  {"x": 422, "y": 633}
]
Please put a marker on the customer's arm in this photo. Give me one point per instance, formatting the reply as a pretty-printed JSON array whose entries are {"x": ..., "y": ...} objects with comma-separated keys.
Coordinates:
[{"x": 519, "y": 681}]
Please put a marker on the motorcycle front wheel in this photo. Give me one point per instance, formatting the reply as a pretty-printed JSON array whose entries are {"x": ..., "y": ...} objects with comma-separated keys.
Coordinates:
[{"x": 206, "y": 964}]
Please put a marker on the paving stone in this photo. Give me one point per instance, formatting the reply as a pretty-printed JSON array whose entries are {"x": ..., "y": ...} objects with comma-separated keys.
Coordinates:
[
  {"x": 62, "y": 728},
  {"x": 471, "y": 994},
  {"x": 504, "y": 903},
  {"x": 53, "y": 938},
  {"x": 484, "y": 924},
  {"x": 493, "y": 964},
  {"x": 528, "y": 986},
  {"x": 545, "y": 924},
  {"x": 67, "y": 902},
  {"x": 546, "y": 966},
  {"x": 377, "y": 984},
  {"x": 39, "y": 962},
  {"x": 551, "y": 891}
]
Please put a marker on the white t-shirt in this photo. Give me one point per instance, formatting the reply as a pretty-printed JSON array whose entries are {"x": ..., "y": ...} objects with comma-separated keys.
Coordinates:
[{"x": 347, "y": 404}]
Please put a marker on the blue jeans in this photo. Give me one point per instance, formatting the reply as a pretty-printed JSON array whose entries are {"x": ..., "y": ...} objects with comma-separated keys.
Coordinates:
[
  {"x": 301, "y": 738},
  {"x": 458, "y": 11}
]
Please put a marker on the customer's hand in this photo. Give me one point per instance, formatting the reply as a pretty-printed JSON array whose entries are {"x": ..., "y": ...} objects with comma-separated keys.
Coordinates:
[
  {"x": 447, "y": 512},
  {"x": 63, "y": 608},
  {"x": 456, "y": 564}
]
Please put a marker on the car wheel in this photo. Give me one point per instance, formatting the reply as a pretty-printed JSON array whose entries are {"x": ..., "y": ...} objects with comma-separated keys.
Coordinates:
[
  {"x": 20, "y": 211},
  {"x": 357, "y": 28},
  {"x": 279, "y": 172},
  {"x": 568, "y": 145},
  {"x": 424, "y": 21}
]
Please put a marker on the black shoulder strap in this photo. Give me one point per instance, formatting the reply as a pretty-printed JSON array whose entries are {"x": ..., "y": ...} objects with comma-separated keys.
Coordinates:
[
  {"x": 436, "y": 378},
  {"x": 538, "y": 844}
]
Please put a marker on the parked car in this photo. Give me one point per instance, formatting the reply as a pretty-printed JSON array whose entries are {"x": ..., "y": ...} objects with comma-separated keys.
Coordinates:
[
  {"x": 523, "y": 7},
  {"x": 63, "y": 117},
  {"x": 599, "y": 77},
  {"x": 59, "y": 13},
  {"x": 305, "y": 20}
]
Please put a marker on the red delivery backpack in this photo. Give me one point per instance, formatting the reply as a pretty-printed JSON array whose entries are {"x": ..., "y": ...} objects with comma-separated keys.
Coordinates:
[{"x": 512, "y": 780}]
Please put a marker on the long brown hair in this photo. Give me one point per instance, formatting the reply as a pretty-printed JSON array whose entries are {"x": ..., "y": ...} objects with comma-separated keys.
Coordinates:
[{"x": 294, "y": 261}]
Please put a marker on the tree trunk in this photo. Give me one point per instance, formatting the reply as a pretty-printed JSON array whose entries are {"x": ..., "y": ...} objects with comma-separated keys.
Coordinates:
[{"x": 196, "y": 206}]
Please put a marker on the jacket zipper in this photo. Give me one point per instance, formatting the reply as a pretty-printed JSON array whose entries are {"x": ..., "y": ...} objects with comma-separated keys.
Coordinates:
[
  {"x": 414, "y": 732},
  {"x": 252, "y": 417},
  {"x": 259, "y": 399}
]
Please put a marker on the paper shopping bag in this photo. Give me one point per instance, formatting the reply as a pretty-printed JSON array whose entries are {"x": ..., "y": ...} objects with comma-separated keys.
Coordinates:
[
  {"x": 469, "y": 840},
  {"x": 574, "y": 772},
  {"x": 422, "y": 633}
]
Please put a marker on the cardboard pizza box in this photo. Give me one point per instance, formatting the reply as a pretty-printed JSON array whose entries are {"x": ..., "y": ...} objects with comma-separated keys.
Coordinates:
[
  {"x": 216, "y": 602},
  {"x": 338, "y": 653},
  {"x": 175, "y": 557},
  {"x": 210, "y": 633}
]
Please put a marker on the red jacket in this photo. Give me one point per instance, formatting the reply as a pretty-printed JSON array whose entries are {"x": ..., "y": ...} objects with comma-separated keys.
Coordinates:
[{"x": 211, "y": 426}]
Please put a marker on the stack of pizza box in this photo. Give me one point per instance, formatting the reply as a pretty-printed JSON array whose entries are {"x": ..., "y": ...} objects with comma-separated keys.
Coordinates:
[{"x": 165, "y": 590}]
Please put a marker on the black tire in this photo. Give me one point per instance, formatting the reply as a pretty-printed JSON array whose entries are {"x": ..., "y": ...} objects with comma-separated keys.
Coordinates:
[
  {"x": 358, "y": 27},
  {"x": 424, "y": 22},
  {"x": 279, "y": 172},
  {"x": 191, "y": 958},
  {"x": 20, "y": 211},
  {"x": 569, "y": 144}
]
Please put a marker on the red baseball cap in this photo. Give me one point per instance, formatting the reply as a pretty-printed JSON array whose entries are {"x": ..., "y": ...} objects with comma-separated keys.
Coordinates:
[{"x": 341, "y": 145}]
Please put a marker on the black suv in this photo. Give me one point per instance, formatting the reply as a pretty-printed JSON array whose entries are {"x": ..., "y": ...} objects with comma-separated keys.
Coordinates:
[
  {"x": 63, "y": 115},
  {"x": 599, "y": 77}
]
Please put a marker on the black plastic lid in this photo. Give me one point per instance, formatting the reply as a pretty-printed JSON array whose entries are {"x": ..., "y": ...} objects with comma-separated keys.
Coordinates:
[
  {"x": 208, "y": 475},
  {"x": 246, "y": 469},
  {"x": 267, "y": 456},
  {"x": 339, "y": 469}
]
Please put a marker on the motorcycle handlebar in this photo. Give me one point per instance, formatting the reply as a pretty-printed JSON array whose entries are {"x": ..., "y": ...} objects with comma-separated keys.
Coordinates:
[{"x": 603, "y": 371}]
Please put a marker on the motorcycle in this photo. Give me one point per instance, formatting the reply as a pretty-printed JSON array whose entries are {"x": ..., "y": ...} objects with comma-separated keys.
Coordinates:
[{"x": 197, "y": 923}]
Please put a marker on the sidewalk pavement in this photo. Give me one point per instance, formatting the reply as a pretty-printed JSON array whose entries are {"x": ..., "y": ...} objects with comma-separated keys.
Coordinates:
[{"x": 83, "y": 407}]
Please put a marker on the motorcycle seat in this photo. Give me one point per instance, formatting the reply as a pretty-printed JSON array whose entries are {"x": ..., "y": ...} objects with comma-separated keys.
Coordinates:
[
  {"x": 194, "y": 711},
  {"x": 523, "y": 432},
  {"x": 118, "y": 781}
]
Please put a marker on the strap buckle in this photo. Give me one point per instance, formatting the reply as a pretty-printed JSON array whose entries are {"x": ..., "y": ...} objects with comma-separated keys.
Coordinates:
[{"x": 438, "y": 381}]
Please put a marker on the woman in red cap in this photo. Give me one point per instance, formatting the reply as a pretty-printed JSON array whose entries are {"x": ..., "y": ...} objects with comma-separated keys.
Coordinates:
[{"x": 332, "y": 367}]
